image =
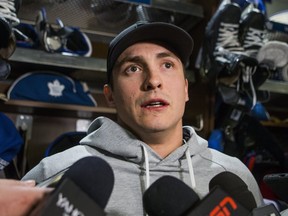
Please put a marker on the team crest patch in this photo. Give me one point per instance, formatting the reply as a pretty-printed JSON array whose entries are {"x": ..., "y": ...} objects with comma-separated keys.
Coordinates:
[{"x": 55, "y": 88}]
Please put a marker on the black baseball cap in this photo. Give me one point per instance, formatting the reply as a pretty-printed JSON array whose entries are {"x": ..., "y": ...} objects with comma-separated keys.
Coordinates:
[{"x": 173, "y": 37}]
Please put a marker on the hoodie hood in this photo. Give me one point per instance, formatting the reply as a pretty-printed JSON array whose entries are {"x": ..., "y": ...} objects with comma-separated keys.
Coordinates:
[{"x": 126, "y": 145}]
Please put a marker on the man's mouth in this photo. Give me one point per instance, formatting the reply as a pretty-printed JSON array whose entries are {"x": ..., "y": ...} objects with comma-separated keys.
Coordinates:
[{"x": 152, "y": 104}]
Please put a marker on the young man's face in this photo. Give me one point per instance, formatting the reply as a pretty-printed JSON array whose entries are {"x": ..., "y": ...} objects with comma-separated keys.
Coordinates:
[{"x": 149, "y": 89}]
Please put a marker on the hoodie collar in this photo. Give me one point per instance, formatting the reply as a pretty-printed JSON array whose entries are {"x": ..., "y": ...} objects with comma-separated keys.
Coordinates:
[{"x": 124, "y": 144}]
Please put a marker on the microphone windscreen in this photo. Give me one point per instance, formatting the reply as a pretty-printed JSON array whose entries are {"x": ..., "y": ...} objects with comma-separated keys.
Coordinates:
[
  {"x": 94, "y": 176},
  {"x": 168, "y": 196},
  {"x": 236, "y": 187}
]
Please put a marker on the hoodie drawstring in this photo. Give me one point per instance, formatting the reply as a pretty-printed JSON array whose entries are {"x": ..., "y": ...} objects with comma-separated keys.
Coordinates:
[
  {"x": 190, "y": 168},
  {"x": 146, "y": 158}
]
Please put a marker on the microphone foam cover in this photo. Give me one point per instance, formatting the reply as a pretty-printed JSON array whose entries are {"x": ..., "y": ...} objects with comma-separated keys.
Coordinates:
[
  {"x": 168, "y": 196},
  {"x": 236, "y": 187},
  {"x": 94, "y": 176}
]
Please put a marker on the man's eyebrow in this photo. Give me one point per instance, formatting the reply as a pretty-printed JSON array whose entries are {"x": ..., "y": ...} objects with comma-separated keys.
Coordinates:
[
  {"x": 135, "y": 59},
  {"x": 167, "y": 54},
  {"x": 139, "y": 59}
]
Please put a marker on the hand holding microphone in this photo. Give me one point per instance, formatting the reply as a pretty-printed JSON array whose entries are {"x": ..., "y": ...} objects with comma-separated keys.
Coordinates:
[
  {"x": 18, "y": 197},
  {"x": 84, "y": 189}
]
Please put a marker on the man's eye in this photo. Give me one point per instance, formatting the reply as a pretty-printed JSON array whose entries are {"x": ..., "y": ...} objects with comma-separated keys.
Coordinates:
[
  {"x": 132, "y": 69},
  {"x": 168, "y": 65}
]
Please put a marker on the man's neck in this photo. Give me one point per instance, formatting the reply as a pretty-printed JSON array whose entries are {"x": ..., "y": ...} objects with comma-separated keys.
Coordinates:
[{"x": 164, "y": 143}]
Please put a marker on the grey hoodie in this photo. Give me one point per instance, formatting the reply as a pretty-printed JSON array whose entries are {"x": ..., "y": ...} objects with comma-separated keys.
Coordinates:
[{"x": 136, "y": 165}]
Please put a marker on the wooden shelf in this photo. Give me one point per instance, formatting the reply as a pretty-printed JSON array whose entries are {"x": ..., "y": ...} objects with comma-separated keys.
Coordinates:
[
  {"x": 275, "y": 124},
  {"x": 61, "y": 110},
  {"x": 58, "y": 60},
  {"x": 275, "y": 86},
  {"x": 104, "y": 25}
]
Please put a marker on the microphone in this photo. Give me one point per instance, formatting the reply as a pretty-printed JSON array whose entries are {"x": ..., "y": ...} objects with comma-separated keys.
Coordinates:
[
  {"x": 168, "y": 196},
  {"x": 278, "y": 183},
  {"x": 52, "y": 181},
  {"x": 84, "y": 189},
  {"x": 237, "y": 188},
  {"x": 268, "y": 210},
  {"x": 225, "y": 189}
]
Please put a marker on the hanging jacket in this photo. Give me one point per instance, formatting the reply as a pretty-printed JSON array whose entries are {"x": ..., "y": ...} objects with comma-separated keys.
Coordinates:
[{"x": 136, "y": 166}]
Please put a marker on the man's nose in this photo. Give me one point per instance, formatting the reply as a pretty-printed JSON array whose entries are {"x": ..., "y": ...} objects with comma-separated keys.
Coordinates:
[{"x": 152, "y": 80}]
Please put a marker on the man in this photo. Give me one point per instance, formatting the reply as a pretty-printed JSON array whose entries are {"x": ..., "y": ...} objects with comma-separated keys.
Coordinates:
[
  {"x": 147, "y": 86},
  {"x": 17, "y": 198}
]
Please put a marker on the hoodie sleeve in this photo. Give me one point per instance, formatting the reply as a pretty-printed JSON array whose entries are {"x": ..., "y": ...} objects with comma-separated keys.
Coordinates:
[
  {"x": 54, "y": 164},
  {"x": 37, "y": 173},
  {"x": 251, "y": 182},
  {"x": 234, "y": 165}
]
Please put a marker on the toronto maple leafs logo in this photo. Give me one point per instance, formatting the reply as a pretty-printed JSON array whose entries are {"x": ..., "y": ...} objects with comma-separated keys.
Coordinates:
[{"x": 55, "y": 88}]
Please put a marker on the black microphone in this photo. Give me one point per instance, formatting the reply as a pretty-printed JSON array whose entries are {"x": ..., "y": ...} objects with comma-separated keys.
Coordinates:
[
  {"x": 84, "y": 189},
  {"x": 278, "y": 183},
  {"x": 225, "y": 189},
  {"x": 268, "y": 210},
  {"x": 168, "y": 196},
  {"x": 236, "y": 187}
]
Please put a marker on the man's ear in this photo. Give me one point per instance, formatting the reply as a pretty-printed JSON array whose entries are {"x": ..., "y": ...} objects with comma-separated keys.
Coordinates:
[
  {"x": 186, "y": 89},
  {"x": 108, "y": 95}
]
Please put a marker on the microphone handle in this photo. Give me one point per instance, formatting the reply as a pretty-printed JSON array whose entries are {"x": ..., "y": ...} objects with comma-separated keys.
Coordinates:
[
  {"x": 268, "y": 210},
  {"x": 67, "y": 199}
]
